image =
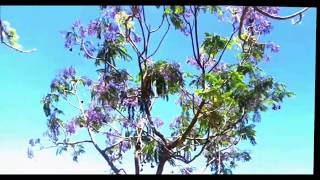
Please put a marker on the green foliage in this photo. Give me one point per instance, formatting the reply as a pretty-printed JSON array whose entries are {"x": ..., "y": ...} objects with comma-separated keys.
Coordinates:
[
  {"x": 212, "y": 44},
  {"x": 164, "y": 77}
]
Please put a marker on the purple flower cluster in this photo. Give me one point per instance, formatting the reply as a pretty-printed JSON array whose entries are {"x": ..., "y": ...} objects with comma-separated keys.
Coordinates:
[
  {"x": 70, "y": 40},
  {"x": 30, "y": 153},
  {"x": 273, "y": 47},
  {"x": 93, "y": 27},
  {"x": 204, "y": 61},
  {"x": 111, "y": 32},
  {"x": 109, "y": 12},
  {"x": 33, "y": 142},
  {"x": 158, "y": 122},
  {"x": 135, "y": 37},
  {"x": 142, "y": 123},
  {"x": 176, "y": 122},
  {"x": 61, "y": 79},
  {"x": 112, "y": 136},
  {"x": 220, "y": 67},
  {"x": 187, "y": 13},
  {"x": 95, "y": 115},
  {"x": 260, "y": 23},
  {"x": 125, "y": 146},
  {"x": 104, "y": 85},
  {"x": 187, "y": 170},
  {"x": 69, "y": 72},
  {"x": 71, "y": 127},
  {"x": 171, "y": 72},
  {"x": 87, "y": 82},
  {"x": 130, "y": 102}
]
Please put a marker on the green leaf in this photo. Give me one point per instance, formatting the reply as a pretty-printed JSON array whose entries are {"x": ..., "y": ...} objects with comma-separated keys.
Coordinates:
[
  {"x": 178, "y": 9},
  {"x": 167, "y": 11}
]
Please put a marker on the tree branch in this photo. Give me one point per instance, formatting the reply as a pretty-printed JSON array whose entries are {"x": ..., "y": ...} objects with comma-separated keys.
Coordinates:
[
  {"x": 92, "y": 57},
  {"x": 160, "y": 40},
  {"x": 299, "y": 13},
  {"x": 197, "y": 155},
  {"x": 244, "y": 12},
  {"x": 9, "y": 45},
  {"x": 189, "y": 128},
  {"x": 224, "y": 49}
]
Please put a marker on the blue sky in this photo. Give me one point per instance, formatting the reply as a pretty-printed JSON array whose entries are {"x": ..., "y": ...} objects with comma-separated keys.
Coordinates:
[{"x": 285, "y": 137}]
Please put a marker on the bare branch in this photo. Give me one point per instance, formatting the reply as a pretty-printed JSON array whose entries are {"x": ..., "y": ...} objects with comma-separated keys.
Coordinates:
[
  {"x": 160, "y": 40},
  {"x": 299, "y": 13},
  {"x": 71, "y": 103},
  {"x": 152, "y": 31},
  {"x": 192, "y": 43}
]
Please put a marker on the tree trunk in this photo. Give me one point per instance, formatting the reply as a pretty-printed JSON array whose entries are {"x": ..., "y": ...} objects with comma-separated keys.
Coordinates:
[
  {"x": 161, "y": 165},
  {"x": 136, "y": 163}
]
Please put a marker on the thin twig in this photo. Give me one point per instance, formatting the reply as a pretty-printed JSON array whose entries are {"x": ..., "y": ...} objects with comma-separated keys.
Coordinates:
[
  {"x": 224, "y": 49},
  {"x": 160, "y": 40}
]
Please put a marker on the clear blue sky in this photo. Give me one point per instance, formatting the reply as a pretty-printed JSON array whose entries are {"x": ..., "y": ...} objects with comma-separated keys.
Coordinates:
[{"x": 285, "y": 138}]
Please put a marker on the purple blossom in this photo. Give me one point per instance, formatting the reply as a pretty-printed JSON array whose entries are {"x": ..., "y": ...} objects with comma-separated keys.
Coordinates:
[
  {"x": 93, "y": 27},
  {"x": 111, "y": 33},
  {"x": 55, "y": 82},
  {"x": 95, "y": 115},
  {"x": 77, "y": 24},
  {"x": 83, "y": 32},
  {"x": 273, "y": 47},
  {"x": 126, "y": 123},
  {"x": 31, "y": 142},
  {"x": 178, "y": 119},
  {"x": 185, "y": 30},
  {"x": 69, "y": 72},
  {"x": 71, "y": 127},
  {"x": 30, "y": 153},
  {"x": 158, "y": 122},
  {"x": 261, "y": 24},
  {"x": 130, "y": 102},
  {"x": 109, "y": 12},
  {"x": 176, "y": 122},
  {"x": 204, "y": 61},
  {"x": 141, "y": 124},
  {"x": 53, "y": 126},
  {"x": 70, "y": 40},
  {"x": 125, "y": 146},
  {"x": 187, "y": 170},
  {"x": 187, "y": 13},
  {"x": 87, "y": 81},
  {"x": 112, "y": 136},
  {"x": 136, "y": 38}
]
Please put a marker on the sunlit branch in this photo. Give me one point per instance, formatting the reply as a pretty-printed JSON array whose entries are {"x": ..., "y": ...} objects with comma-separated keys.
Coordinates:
[{"x": 2, "y": 31}]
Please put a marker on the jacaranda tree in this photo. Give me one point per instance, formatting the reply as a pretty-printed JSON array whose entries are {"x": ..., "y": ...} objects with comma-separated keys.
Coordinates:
[{"x": 220, "y": 102}]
